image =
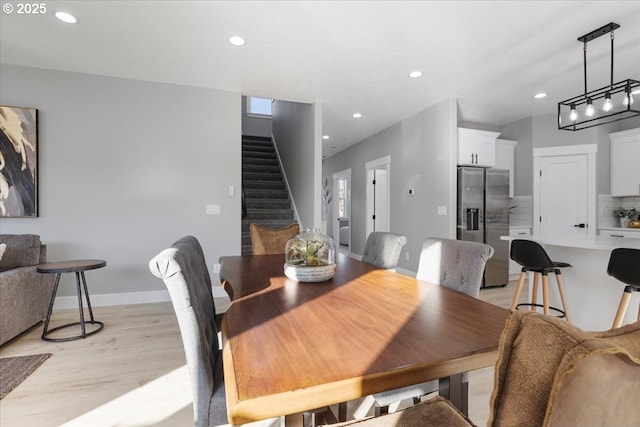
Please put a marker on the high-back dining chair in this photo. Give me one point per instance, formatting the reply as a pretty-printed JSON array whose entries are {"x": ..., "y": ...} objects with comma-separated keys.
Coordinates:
[
  {"x": 183, "y": 269},
  {"x": 266, "y": 241},
  {"x": 383, "y": 249},
  {"x": 549, "y": 373},
  {"x": 455, "y": 264}
]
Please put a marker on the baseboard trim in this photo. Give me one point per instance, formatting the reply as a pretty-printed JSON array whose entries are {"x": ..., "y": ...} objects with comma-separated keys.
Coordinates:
[{"x": 129, "y": 298}]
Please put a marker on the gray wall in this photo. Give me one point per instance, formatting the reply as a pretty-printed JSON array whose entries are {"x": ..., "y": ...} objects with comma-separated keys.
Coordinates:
[
  {"x": 422, "y": 150},
  {"x": 297, "y": 135},
  {"x": 542, "y": 131},
  {"x": 125, "y": 168},
  {"x": 254, "y": 126}
]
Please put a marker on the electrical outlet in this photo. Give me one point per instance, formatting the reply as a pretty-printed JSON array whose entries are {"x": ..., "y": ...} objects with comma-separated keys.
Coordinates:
[
  {"x": 406, "y": 256},
  {"x": 442, "y": 210},
  {"x": 216, "y": 268}
]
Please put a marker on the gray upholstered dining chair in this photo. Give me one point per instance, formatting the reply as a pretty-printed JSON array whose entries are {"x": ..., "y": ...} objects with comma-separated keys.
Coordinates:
[
  {"x": 382, "y": 249},
  {"x": 183, "y": 269},
  {"x": 458, "y": 265}
]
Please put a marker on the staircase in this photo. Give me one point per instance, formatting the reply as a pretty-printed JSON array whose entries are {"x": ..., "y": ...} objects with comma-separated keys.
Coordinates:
[{"x": 265, "y": 193}]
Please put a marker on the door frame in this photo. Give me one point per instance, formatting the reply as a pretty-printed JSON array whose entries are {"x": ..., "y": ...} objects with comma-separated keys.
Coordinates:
[
  {"x": 334, "y": 220},
  {"x": 590, "y": 150},
  {"x": 381, "y": 163}
]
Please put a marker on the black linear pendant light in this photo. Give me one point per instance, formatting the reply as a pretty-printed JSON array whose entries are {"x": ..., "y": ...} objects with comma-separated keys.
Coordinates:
[{"x": 605, "y": 105}]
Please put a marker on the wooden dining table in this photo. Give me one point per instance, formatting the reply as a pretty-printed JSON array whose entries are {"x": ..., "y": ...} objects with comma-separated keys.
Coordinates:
[{"x": 290, "y": 347}]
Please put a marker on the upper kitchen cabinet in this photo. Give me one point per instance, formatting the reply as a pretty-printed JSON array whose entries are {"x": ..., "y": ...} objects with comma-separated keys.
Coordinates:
[
  {"x": 476, "y": 147},
  {"x": 625, "y": 163},
  {"x": 505, "y": 150}
]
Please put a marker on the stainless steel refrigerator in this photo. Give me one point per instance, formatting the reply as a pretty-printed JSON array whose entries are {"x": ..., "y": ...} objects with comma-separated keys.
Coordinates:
[{"x": 483, "y": 216}]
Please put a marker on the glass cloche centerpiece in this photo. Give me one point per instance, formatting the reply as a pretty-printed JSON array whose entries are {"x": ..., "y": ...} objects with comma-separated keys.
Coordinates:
[{"x": 310, "y": 257}]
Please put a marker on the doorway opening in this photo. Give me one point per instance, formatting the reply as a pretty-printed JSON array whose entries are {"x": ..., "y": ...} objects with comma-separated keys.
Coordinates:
[{"x": 342, "y": 210}]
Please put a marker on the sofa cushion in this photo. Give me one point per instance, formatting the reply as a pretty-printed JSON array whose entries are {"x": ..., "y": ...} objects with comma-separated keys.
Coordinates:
[{"x": 22, "y": 250}]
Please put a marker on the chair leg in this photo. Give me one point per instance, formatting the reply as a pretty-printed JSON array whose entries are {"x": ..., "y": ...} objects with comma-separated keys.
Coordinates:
[
  {"x": 516, "y": 297},
  {"x": 563, "y": 297},
  {"x": 534, "y": 291},
  {"x": 622, "y": 309},
  {"x": 545, "y": 293}
]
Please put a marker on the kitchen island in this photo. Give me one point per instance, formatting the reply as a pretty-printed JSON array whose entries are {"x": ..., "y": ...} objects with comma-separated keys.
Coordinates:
[{"x": 592, "y": 295}]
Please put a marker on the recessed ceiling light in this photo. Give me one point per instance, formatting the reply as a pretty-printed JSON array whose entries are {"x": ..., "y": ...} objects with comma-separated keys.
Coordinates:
[
  {"x": 415, "y": 74},
  {"x": 325, "y": 136},
  {"x": 357, "y": 115},
  {"x": 236, "y": 41},
  {"x": 66, "y": 17},
  {"x": 539, "y": 95}
]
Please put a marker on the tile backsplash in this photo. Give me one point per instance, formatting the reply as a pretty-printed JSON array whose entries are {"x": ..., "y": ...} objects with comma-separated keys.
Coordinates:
[
  {"x": 608, "y": 204},
  {"x": 521, "y": 212}
]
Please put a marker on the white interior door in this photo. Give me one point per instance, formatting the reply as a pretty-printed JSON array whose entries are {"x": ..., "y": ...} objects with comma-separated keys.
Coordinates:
[
  {"x": 564, "y": 197},
  {"x": 378, "y": 195},
  {"x": 381, "y": 201}
]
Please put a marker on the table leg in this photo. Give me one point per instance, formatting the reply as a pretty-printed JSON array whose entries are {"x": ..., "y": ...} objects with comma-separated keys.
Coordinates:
[
  {"x": 451, "y": 388},
  {"x": 53, "y": 297},
  {"x": 46, "y": 331},
  {"x": 86, "y": 296},
  {"x": 79, "y": 291}
]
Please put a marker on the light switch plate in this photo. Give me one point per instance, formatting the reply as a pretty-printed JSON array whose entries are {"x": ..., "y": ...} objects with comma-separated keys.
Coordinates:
[
  {"x": 216, "y": 268},
  {"x": 442, "y": 210},
  {"x": 213, "y": 209}
]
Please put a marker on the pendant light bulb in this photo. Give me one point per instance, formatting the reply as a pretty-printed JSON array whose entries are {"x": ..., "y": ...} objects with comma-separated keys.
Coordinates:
[
  {"x": 573, "y": 115},
  {"x": 608, "y": 105},
  {"x": 589, "y": 111},
  {"x": 628, "y": 97}
]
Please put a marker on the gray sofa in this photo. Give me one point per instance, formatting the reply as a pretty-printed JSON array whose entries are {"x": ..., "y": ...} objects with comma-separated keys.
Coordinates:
[{"x": 24, "y": 293}]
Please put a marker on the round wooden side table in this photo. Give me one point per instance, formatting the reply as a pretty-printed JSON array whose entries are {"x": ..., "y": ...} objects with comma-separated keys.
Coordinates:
[{"x": 78, "y": 267}]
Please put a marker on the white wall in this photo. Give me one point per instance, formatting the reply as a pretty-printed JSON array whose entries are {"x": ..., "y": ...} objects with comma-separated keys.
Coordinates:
[
  {"x": 423, "y": 157},
  {"x": 126, "y": 167},
  {"x": 297, "y": 135}
]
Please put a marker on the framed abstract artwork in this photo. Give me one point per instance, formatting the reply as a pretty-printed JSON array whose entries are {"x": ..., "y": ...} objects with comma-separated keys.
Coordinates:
[{"x": 18, "y": 162}]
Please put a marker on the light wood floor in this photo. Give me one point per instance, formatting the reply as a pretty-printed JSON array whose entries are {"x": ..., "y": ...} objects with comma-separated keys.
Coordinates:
[{"x": 133, "y": 373}]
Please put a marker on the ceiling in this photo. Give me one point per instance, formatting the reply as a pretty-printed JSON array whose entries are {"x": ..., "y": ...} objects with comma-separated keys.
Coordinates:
[{"x": 350, "y": 56}]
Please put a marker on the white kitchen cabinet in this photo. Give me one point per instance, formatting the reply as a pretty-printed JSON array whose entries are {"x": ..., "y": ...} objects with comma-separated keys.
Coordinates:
[
  {"x": 632, "y": 233},
  {"x": 625, "y": 163},
  {"x": 476, "y": 147},
  {"x": 522, "y": 233},
  {"x": 505, "y": 151}
]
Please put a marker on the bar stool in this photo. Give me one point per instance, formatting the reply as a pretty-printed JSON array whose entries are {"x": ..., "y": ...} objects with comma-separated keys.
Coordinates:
[
  {"x": 532, "y": 257},
  {"x": 624, "y": 265}
]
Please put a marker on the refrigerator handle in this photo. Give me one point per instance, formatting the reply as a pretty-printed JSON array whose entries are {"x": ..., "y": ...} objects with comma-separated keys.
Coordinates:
[{"x": 472, "y": 219}]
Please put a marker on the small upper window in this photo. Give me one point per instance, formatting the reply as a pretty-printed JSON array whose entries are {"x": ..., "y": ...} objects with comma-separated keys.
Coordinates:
[{"x": 258, "y": 106}]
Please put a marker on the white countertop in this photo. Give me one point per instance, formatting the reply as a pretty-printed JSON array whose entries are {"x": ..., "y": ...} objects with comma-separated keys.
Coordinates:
[
  {"x": 604, "y": 243},
  {"x": 636, "y": 230}
]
